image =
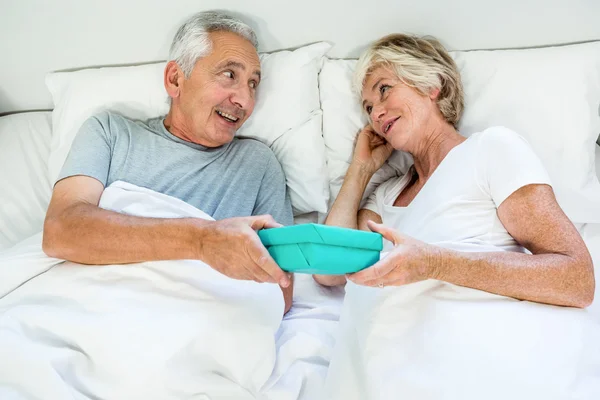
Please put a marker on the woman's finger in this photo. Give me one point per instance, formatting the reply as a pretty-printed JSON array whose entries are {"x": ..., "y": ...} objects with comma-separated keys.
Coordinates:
[
  {"x": 376, "y": 272},
  {"x": 389, "y": 234}
]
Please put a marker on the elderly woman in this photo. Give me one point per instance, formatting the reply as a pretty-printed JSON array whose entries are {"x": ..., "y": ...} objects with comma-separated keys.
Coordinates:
[{"x": 468, "y": 207}]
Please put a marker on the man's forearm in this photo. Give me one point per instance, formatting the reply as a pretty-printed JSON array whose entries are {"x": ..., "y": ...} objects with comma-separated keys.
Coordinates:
[
  {"x": 87, "y": 234},
  {"x": 544, "y": 278}
]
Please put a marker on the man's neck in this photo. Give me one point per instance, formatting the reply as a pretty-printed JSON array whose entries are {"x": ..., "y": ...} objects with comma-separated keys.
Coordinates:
[{"x": 176, "y": 124}]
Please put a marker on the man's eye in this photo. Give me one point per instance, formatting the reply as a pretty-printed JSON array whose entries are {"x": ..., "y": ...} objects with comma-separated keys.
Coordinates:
[
  {"x": 253, "y": 84},
  {"x": 369, "y": 109},
  {"x": 229, "y": 74}
]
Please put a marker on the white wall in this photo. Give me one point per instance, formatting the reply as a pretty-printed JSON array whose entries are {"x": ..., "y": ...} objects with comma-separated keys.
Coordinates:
[{"x": 38, "y": 36}]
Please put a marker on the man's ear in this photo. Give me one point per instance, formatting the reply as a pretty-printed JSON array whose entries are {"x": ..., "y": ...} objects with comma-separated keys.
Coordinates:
[
  {"x": 434, "y": 93},
  {"x": 173, "y": 79}
]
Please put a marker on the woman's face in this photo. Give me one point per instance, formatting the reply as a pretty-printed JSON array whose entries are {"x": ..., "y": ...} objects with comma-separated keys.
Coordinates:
[{"x": 398, "y": 113}]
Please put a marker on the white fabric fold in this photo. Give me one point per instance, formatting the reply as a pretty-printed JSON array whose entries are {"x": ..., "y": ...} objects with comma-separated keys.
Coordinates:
[
  {"x": 153, "y": 330},
  {"x": 434, "y": 340}
]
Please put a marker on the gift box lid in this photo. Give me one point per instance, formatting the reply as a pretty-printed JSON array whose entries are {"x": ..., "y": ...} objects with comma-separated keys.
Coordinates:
[{"x": 321, "y": 234}]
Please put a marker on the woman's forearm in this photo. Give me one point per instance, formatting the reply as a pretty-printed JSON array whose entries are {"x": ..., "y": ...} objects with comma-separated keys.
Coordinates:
[
  {"x": 344, "y": 211},
  {"x": 544, "y": 278}
]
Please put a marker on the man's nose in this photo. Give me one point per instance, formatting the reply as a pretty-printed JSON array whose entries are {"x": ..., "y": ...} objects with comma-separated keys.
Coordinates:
[{"x": 242, "y": 98}]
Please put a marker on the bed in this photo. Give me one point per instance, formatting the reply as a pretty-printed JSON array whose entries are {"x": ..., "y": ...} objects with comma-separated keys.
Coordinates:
[{"x": 48, "y": 309}]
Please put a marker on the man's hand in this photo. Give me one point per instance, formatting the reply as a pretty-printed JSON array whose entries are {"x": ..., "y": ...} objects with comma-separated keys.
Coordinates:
[{"x": 232, "y": 247}]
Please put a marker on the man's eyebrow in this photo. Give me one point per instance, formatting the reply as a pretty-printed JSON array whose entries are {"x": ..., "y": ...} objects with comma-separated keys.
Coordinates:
[{"x": 238, "y": 65}]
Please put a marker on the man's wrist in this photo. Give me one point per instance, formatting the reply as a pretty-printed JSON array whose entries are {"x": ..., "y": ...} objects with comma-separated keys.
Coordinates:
[{"x": 198, "y": 233}]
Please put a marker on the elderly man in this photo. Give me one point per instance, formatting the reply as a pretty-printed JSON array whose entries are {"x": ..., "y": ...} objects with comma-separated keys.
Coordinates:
[{"x": 191, "y": 154}]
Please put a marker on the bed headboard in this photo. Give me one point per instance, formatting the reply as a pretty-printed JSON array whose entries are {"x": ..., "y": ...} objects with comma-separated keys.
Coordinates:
[{"x": 39, "y": 36}]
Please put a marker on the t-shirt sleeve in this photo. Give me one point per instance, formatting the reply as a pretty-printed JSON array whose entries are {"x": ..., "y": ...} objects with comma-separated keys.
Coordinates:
[
  {"x": 376, "y": 200},
  {"x": 507, "y": 163},
  {"x": 90, "y": 153},
  {"x": 273, "y": 197},
  {"x": 371, "y": 202}
]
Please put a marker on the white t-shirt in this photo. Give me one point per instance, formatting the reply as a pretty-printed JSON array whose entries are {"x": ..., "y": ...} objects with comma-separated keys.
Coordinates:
[{"x": 457, "y": 207}]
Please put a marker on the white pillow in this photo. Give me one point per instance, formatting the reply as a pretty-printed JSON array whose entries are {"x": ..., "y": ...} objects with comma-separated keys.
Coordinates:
[
  {"x": 342, "y": 120},
  {"x": 287, "y": 108},
  {"x": 26, "y": 190},
  {"x": 549, "y": 95},
  {"x": 598, "y": 161}
]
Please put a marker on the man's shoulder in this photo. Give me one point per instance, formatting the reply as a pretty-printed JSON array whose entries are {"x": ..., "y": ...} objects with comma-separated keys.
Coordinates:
[
  {"x": 111, "y": 118},
  {"x": 251, "y": 144},
  {"x": 253, "y": 147},
  {"x": 112, "y": 124}
]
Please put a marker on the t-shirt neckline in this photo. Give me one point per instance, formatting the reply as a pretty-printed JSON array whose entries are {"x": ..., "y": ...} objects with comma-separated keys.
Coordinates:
[{"x": 401, "y": 185}]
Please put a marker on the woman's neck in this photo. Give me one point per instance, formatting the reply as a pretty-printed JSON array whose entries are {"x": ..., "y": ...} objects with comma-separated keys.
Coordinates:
[{"x": 434, "y": 148}]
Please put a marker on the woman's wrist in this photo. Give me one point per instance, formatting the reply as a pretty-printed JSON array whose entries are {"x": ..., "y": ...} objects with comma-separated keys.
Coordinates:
[
  {"x": 360, "y": 171},
  {"x": 437, "y": 260}
]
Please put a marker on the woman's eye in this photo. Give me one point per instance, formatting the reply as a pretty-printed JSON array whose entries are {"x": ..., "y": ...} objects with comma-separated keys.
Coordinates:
[
  {"x": 383, "y": 88},
  {"x": 369, "y": 109},
  {"x": 253, "y": 84}
]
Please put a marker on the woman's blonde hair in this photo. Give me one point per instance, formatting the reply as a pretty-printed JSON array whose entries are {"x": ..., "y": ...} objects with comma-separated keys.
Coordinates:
[{"x": 420, "y": 62}]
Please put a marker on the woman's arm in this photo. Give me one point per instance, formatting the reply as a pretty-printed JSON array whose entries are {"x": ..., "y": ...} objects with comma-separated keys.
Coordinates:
[
  {"x": 559, "y": 271},
  {"x": 370, "y": 152},
  {"x": 344, "y": 213}
]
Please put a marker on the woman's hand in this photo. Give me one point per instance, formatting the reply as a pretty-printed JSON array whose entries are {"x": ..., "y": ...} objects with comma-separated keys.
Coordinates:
[
  {"x": 410, "y": 261},
  {"x": 371, "y": 150}
]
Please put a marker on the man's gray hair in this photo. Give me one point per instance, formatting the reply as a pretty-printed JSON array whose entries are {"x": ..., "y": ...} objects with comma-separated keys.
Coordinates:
[{"x": 192, "y": 42}]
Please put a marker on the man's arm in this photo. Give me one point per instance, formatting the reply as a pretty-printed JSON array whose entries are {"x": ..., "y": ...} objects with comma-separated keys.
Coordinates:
[{"x": 76, "y": 229}]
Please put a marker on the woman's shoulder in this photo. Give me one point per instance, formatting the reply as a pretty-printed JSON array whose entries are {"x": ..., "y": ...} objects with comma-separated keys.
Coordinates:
[
  {"x": 497, "y": 137},
  {"x": 499, "y": 142}
]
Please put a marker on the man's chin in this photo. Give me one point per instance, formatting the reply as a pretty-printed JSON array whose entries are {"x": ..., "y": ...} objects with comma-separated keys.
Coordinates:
[{"x": 222, "y": 138}]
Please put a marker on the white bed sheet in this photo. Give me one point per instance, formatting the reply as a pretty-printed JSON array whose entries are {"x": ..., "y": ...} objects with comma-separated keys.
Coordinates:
[
  {"x": 591, "y": 236},
  {"x": 30, "y": 366}
]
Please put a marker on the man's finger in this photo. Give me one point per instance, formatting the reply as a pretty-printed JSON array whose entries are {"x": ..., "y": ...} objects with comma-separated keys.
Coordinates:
[
  {"x": 259, "y": 274},
  {"x": 264, "y": 261},
  {"x": 243, "y": 275},
  {"x": 263, "y": 222}
]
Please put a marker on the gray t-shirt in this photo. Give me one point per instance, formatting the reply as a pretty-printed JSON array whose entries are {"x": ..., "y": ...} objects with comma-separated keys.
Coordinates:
[{"x": 241, "y": 178}]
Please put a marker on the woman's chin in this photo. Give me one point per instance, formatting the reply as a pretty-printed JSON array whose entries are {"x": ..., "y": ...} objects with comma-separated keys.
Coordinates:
[{"x": 399, "y": 143}]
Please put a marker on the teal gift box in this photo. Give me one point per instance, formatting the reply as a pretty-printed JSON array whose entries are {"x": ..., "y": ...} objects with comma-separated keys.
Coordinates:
[{"x": 321, "y": 249}]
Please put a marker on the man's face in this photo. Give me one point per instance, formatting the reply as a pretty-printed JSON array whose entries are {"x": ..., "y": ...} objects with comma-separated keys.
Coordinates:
[{"x": 219, "y": 95}]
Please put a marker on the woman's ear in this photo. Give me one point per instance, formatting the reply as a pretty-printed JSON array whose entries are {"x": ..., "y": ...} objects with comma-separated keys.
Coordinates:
[
  {"x": 434, "y": 93},
  {"x": 172, "y": 78}
]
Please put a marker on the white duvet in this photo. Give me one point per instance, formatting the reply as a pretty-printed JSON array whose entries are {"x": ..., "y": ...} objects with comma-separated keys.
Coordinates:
[
  {"x": 432, "y": 340},
  {"x": 154, "y": 330}
]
